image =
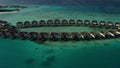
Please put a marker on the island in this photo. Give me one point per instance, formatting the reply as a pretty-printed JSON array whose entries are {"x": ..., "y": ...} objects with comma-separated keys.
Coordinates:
[
  {"x": 17, "y": 6},
  {"x": 9, "y": 10}
]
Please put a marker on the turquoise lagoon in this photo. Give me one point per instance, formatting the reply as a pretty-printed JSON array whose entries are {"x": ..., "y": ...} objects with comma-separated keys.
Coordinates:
[{"x": 82, "y": 54}]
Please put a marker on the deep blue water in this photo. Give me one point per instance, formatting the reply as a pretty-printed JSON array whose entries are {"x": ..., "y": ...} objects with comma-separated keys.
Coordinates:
[{"x": 63, "y": 2}]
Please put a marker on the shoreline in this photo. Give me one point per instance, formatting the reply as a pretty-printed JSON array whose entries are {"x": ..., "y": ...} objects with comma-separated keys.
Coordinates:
[{"x": 9, "y": 10}]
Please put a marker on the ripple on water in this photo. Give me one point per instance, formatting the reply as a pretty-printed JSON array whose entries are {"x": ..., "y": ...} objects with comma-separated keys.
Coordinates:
[{"x": 49, "y": 51}]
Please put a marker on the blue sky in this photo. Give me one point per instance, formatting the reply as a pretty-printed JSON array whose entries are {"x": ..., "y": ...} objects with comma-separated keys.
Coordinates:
[{"x": 62, "y": 2}]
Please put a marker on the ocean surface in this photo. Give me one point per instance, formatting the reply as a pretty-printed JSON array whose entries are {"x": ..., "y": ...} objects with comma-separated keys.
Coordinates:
[{"x": 82, "y": 54}]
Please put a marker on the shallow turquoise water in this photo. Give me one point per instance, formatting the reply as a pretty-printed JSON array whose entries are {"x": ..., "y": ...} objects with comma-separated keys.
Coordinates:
[{"x": 87, "y": 54}]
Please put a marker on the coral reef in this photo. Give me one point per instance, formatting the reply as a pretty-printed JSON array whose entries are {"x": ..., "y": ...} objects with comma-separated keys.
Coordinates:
[
  {"x": 30, "y": 60},
  {"x": 48, "y": 61}
]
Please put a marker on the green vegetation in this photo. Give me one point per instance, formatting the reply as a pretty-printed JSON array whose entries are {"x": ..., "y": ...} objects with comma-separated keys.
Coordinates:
[
  {"x": 18, "y": 6},
  {"x": 3, "y": 6},
  {"x": 8, "y": 10}
]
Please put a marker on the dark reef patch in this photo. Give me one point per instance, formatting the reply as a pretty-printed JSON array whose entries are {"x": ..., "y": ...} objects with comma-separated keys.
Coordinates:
[
  {"x": 36, "y": 48},
  {"x": 45, "y": 64},
  {"x": 30, "y": 60},
  {"x": 51, "y": 58},
  {"x": 48, "y": 61}
]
